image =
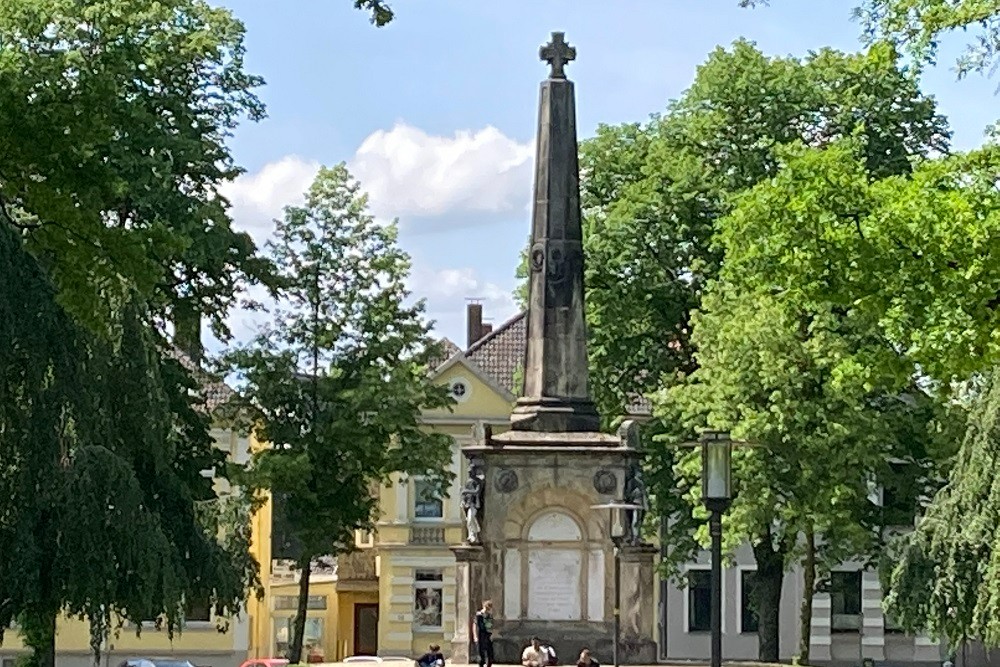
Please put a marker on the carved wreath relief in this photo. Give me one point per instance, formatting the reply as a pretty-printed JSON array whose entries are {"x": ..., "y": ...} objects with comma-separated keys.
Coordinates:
[
  {"x": 605, "y": 482},
  {"x": 506, "y": 481}
]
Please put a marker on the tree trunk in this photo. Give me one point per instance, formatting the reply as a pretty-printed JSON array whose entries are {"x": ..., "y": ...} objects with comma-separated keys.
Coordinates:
[
  {"x": 809, "y": 590},
  {"x": 769, "y": 579},
  {"x": 39, "y": 634},
  {"x": 299, "y": 627},
  {"x": 186, "y": 318}
]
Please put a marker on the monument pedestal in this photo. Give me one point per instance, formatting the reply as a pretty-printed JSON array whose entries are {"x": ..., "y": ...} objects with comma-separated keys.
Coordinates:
[
  {"x": 546, "y": 556},
  {"x": 638, "y": 599},
  {"x": 468, "y": 599}
]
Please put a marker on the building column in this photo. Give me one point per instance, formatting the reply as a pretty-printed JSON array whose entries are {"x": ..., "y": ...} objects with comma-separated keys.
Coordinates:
[
  {"x": 468, "y": 597},
  {"x": 821, "y": 638},
  {"x": 872, "y": 618},
  {"x": 638, "y": 596},
  {"x": 402, "y": 501}
]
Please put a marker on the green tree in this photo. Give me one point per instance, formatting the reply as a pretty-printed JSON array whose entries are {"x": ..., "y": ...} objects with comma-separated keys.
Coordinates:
[
  {"x": 101, "y": 451},
  {"x": 112, "y": 148},
  {"x": 653, "y": 195},
  {"x": 914, "y": 255},
  {"x": 796, "y": 382},
  {"x": 918, "y": 25},
  {"x": 337, "y": 381},
  {"x": 942, "y": 578}
]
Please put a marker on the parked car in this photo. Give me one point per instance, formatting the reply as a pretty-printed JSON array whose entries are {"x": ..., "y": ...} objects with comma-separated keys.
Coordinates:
[
  {"x": 265, "y": 662},
  {"x": 155, "y": 662}
]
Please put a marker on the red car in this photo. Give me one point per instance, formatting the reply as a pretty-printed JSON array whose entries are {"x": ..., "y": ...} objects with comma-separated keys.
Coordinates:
[{"x": 265, "y": 662}]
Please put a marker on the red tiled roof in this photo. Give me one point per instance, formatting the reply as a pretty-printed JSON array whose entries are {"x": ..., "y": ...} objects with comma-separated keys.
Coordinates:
[
  {"x": 448, "y": 350},
  {"x": 501, "y": 352},
  {"x": 214, "y": 391}
]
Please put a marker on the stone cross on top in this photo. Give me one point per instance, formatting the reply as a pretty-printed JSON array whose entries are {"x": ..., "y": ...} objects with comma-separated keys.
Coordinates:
[{"x": 557, "y": 53}]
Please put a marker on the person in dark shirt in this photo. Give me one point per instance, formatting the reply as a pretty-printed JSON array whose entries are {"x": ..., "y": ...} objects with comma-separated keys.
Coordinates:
[
  {"x": 585, "y": 660},
  {"x": 433, "y": 657},
  {"x": 482, "y": 634}
]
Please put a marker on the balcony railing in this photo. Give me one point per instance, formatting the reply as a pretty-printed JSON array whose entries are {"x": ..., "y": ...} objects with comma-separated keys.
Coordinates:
[{"x": 427, "y": 535}]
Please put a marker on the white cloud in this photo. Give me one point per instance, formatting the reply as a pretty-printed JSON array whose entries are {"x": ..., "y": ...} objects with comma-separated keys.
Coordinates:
[
  {"x": 408, "y": 172},
  {"x": 446, "y": 292},
  {"x": 258, "y": 199}
]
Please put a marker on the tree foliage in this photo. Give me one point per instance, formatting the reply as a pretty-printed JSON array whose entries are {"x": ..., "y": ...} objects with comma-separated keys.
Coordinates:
[
  {"x": 337, "y": 381},
  {"x": 654, "y": 196},
  {"x": 918, "y": 26},
  {"x": 102, "y": 453},
  {"x": 942, "y": 578},
  {"x": 652, "y": 193},
  {"x": 824, "y": 397},
  {"x": 114, "y": 119},
  {"x": 381, "y": 12},
  {"x": 912, "y": 254}
]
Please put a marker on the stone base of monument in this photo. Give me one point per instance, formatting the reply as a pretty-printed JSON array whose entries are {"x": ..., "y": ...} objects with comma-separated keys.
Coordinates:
[
  {"x": 569, "y": 638},
  {"x": 546, "y": 556}
]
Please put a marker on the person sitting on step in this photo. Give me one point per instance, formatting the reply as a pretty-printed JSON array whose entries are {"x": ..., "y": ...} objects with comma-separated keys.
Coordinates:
[
  {"x": 433, "y": 657},
  {"x": 585, "y": 659},
  {"x": 535, "y": 655}
]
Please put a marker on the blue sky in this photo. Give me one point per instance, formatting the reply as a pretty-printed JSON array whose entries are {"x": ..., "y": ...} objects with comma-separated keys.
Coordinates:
[{"x": 435, "y": 113}]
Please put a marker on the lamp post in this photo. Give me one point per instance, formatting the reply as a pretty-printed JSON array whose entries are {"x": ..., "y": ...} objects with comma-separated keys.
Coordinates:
[
  {"x": 716, "y": 493},
  {"x": 616, "y": 527}
]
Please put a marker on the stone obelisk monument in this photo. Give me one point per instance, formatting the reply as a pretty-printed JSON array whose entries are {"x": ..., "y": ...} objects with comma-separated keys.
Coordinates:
[{"x": 537, "y": 549}]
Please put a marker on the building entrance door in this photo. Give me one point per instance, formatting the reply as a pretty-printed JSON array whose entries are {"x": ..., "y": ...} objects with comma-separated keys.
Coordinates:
[{"x": 365, "y": 629}]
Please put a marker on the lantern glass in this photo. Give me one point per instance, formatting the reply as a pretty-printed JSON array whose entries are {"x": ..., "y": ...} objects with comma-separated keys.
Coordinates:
[
  {"x": 716, "y": 461},
  {"x": 617, "y": 524}
]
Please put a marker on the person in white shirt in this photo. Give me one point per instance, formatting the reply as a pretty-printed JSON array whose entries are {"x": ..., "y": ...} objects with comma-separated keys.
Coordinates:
[{"x": 535, "y": 655}]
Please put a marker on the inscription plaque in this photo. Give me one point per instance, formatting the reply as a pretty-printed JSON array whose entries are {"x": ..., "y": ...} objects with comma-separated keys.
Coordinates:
[{"x": 554, "y": 584}]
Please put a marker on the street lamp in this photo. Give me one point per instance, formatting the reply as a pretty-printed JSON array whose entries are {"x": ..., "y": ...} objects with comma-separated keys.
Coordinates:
[
  {"x": 616, "y": 526},
  {"x": 717, "y": 494}
]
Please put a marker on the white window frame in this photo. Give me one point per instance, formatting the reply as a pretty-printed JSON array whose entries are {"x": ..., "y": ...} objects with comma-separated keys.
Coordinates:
[
  {"x": 739, "y": 599},
  {"x": 416, "y": 499},
  {"x": 687, "y": 597},
  {"x": 364, "y": 539},
  {"x": 437, "y": 585}
]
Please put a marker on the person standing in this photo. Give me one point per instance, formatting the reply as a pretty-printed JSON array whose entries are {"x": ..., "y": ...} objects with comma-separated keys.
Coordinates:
[{"x": 482, "y": 634}]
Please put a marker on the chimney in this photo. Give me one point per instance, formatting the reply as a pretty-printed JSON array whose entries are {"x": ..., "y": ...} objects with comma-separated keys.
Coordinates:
[{"x": 474, "y": 321}]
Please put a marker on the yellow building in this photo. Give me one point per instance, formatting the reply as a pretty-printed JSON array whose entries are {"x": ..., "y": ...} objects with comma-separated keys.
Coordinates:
[
  {"x": 343, "y": 600},
  {"x": 396, "y": 594},
  {"x": 206, "y": 641},
  {"x": 417, "y": 568}
]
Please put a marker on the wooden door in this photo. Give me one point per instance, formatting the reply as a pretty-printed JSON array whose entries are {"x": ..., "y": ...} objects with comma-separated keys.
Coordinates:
[{"x": 365, "y": 629}]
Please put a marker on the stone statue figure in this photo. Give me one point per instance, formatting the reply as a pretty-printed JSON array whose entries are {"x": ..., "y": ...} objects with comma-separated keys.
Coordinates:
[
  {"x": 635, "y": 494},
  {"x": 472, "y": 503}
]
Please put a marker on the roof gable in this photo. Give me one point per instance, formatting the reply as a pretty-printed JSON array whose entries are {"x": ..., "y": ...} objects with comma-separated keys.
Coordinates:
[{"x": 500, "y": 353}]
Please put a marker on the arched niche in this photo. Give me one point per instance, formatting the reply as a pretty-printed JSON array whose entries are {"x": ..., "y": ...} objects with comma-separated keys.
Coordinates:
[{"x": 554, "y": 526}]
